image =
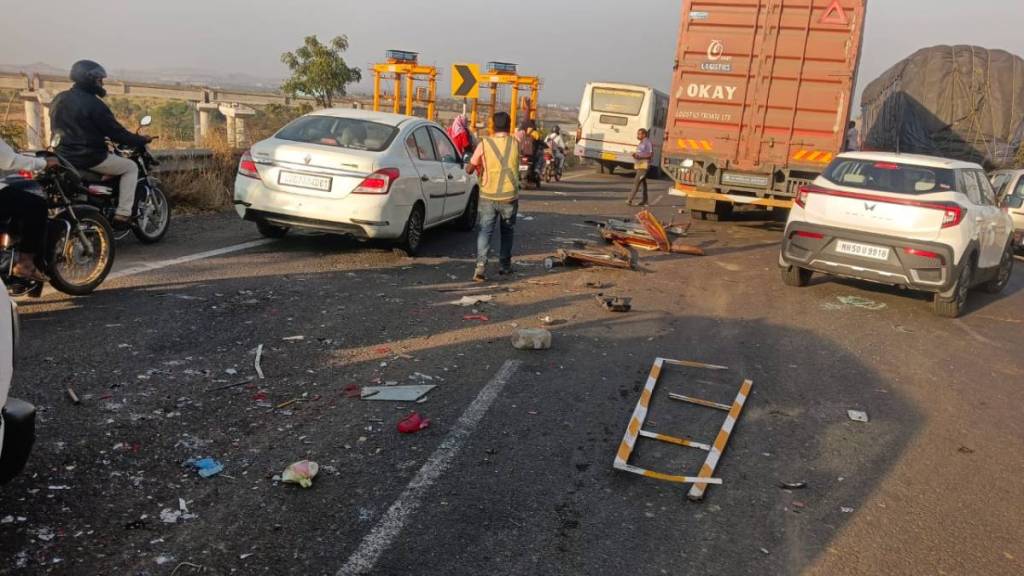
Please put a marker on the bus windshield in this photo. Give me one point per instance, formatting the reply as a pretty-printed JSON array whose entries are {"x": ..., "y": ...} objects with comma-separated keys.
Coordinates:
[{"x": 617, "y": 101}]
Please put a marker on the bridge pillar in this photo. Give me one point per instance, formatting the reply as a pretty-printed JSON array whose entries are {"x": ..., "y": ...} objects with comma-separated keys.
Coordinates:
[
  {"x": 236, "y": 115},
  {"x": 203, "y": 109},
  {"x": 33, "y": 121}
]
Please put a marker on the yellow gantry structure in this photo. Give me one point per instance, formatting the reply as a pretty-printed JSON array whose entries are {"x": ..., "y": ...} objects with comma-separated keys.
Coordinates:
[
  {"x": 501, "y": 74},
  {"x": 401, "y": 68}
]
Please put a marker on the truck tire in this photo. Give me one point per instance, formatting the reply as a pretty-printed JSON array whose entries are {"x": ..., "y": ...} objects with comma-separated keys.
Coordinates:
[
  {"x": 723, "y": 210},
  {"x": 796, "y": 277}
]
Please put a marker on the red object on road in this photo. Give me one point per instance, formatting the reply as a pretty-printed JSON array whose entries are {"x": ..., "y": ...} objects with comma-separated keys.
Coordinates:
[
  {"x": 477, "y": 317},
  {"x": 413, "y": 423},
  {"x": 352, "y": 391}
]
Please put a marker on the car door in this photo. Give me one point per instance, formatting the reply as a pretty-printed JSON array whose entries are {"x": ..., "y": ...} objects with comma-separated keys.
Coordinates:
[
  {"x": 433, "y": 180},
  {"x": 455, "y": 174},
  {"x": 988, "y": 220}
]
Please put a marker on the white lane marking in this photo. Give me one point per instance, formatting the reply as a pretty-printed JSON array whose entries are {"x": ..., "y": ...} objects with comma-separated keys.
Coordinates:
[
  {"x": 577, "y": 176},
  {"x": 973, "y": 333},
  {"x": 390, "y": 526},
  {"x": 150, "y": 267}
]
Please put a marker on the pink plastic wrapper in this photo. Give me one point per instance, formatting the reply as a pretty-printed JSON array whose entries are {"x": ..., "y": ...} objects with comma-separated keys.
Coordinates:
[{"x": 301, "y": 473}]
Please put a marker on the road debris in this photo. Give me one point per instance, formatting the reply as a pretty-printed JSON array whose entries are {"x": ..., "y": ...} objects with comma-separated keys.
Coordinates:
[
  {"x": 293, "y": 338},
  {"x": 352, "y": 391},
  {"x": 531, "y": 339},
  {"x": 857, "y": 415},
  {"x": 301, "y": 473},
  {"x": 859, "y": 302},
  {"x": 792, "y": 485},
  {"x": 846, "y": 510},
  {"x": 648, "y": 234},
  {"x": 615, "y": 256},
  {"x": 206, "y": 467},
  {"x": 476, "y": 318},
  {"x": 256, "y": 363},
  {"x": 396, "y": 393},
  {"x": 715, "y": 450},
  {"x": 284, "y": 405},
  {"x": 229, "y": 386},
  {"x": 468, "y": 301},
  {"x": 614, "y": 303},
  {"x": 413, "y": 423},
  {"x": 74, "y": 397}
]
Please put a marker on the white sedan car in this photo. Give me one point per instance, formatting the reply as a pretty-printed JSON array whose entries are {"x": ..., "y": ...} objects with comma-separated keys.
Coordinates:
[
  {"x": 365, "y": 174},
  {"x": 17, "y": 417}
]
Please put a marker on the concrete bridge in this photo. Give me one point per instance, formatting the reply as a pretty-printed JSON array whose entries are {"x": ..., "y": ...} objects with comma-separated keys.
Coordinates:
[{"x": 37, "y": 92}]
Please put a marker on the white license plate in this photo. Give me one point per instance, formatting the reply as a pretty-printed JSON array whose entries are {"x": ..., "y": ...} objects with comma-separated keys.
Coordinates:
[
  {"x": 322, "y": 183},
  {"x": 863, "y": 250}
]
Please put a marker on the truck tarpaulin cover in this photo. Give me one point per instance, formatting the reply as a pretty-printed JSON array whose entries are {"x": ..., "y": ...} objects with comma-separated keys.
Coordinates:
[{"x": 960, "y": 102}]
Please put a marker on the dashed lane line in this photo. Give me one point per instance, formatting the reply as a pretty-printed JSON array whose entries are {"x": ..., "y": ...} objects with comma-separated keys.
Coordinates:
[{"x": 390, "y": 526}]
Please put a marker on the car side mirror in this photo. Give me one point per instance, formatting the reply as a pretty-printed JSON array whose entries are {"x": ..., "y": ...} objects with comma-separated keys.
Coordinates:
[{"x": 146, "y": 121}]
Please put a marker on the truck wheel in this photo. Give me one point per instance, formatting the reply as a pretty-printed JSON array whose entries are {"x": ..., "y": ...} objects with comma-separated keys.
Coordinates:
[
  {"x": 796, "y": 277},
  {"x": 997, "y": 284},
  {"x": 723, "y": 210},
  {"x": 952, "y": 308}
]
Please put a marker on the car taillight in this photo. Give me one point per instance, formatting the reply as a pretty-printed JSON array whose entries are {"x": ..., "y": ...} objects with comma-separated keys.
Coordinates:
[
  {"x": 924, "y": 254},
  {"x": 379, "y": 182},
  {"x": 811, "y": 235},
  {"x": 953, "y": 214},
  {"x": 25, "y": 174},
  {"x": 803, "y": 192},
  {"x": 246, "y": 166}
]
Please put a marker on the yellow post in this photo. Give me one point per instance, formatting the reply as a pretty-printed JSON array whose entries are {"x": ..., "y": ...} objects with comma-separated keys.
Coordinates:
[
  {"x": 409, "y": 93},
  {"x": 432, "y": 105},
  {"x": 494, "y": 108},
  {"x": 514, "y": 105},
  {"x": 535, "y": 99},
  {"x": 397, "y": 96},
  {"x": 376, "y": 91},
  {"x": 474, "y": 116}
]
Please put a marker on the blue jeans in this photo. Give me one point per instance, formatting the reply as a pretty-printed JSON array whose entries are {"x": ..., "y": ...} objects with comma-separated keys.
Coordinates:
[{"x": 489, "y": 213}]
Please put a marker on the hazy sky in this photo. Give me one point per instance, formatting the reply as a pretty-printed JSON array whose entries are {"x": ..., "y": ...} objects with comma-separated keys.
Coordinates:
[{"x": 565, "y": 42}]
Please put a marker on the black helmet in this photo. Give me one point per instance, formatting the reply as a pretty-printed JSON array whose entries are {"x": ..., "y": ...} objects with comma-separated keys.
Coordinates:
[{"x": 88, "y": 74}]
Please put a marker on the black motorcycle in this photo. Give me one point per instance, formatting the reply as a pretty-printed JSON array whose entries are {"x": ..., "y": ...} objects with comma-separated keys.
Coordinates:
[
  {"x": 151, "y": 215},
  {"x": 79, "y": 246}
]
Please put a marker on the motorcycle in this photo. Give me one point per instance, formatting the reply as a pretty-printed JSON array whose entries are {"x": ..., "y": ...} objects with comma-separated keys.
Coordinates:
[
  {"x": 79, "y": 242},
  {"x": 528, "y": 173},
  {"x": 152, "y": 209},
  {"x": 552, "y": 167}
]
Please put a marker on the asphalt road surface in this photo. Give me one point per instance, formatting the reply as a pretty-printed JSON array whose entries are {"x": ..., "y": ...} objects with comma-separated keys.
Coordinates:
[{"x": 514, "y": 474}]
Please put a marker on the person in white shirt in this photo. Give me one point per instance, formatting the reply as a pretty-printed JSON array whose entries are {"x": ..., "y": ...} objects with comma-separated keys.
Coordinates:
[
  {"x": 25, "y": 208},
  {"x": 852, "y": 137},
  {"x": 557, "y": 145}
]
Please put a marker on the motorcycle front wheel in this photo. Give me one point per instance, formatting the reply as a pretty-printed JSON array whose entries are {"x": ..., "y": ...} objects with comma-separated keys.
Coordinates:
[
  {"x": 154, "y": 216},
  {"x": 79, "y": 262}
]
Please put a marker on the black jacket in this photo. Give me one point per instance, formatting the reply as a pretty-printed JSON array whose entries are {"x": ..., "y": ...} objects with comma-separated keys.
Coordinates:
[{"x": 83, "y": 122}]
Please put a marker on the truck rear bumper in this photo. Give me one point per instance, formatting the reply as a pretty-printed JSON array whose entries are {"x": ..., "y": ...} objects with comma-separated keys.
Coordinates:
[
  {"x": 924, "y": 266},
  {"x": 692, "y": 192}
]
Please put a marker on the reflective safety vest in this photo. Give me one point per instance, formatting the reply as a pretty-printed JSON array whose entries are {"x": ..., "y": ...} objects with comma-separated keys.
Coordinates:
[{"x": 501, "y": 163}]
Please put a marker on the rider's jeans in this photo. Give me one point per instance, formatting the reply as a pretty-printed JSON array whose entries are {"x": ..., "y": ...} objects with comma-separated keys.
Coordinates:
[{"x": 129, "y": 172}]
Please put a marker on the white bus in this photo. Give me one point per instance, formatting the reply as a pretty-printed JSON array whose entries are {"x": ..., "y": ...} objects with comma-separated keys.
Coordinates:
[{"x": 610, "y": 115}]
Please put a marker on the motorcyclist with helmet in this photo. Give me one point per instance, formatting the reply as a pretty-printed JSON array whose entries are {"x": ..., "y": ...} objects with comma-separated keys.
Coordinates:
[
  {"x": 556, "y": 143},
  {"x": 85, "y": 123}
]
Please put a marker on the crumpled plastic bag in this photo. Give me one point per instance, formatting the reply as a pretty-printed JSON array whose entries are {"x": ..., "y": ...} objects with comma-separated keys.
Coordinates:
[{"x": 301, "y": 473}]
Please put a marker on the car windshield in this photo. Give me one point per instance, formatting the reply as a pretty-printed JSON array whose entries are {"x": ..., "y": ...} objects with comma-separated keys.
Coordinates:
[
  {"x": 340, "y": 132},
  {"x": 890, "y": 176},
  {"x": 616, "y": 101}
]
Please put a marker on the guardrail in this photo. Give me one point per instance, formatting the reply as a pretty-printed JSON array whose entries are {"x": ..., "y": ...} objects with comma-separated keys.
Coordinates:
[{"x": 182, "y": 160}]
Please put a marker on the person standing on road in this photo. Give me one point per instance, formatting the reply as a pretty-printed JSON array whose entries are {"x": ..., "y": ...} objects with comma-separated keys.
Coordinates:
[
  {"x": 496, "y": 160},
  {"x": 459, "y": 133},
  {"x": 852, "y": 137},
  {"x": 642, "y": 162}
]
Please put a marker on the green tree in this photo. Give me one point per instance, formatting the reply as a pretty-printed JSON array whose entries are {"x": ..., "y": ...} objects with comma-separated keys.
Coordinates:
[{"x": 318, "y": 70}]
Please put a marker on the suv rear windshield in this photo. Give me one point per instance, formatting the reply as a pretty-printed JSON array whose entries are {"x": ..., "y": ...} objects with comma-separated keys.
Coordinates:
[
  {"x": 340, "y": 132},
  {"x": 890, "y": 176},
  {"x": 615, "y": 101}
]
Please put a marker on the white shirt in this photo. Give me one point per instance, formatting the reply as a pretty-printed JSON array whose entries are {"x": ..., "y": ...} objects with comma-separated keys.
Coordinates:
[
  {"x": 852, "y": 139},
  {"x": 11, "y": 161},
  {"x": 555, "y": 141}
]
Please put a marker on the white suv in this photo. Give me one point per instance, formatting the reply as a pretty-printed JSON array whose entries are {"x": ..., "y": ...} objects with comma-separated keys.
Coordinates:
[
  {"x": 17, "y": 417},
  {"x": 917, "y": 222}
]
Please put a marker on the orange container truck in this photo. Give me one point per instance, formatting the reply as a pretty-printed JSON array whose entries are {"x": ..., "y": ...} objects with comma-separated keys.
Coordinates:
[{"x": 760, "y": 101}]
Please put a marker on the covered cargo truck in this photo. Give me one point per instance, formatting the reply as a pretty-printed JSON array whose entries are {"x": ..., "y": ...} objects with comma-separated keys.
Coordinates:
[
  {"x": 761, "y": 98},
  {"x": 961, "y": 102}
]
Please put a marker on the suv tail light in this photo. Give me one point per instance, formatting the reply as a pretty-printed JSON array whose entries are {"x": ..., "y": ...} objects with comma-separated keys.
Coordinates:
[
  {"x": 246, "y": 166},
  {"x": 379, "y": 182},
  {"x": 803, "y": 192},
  {"x": 953, "y": 214}
]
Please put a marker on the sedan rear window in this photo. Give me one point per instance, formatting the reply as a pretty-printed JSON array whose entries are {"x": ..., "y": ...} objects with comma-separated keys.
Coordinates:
[
  {"x": 890, "y": 176},
  {"x": 340, "y": 132}
]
